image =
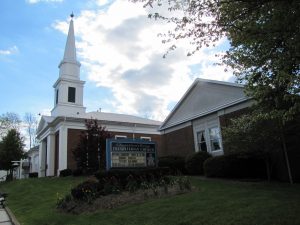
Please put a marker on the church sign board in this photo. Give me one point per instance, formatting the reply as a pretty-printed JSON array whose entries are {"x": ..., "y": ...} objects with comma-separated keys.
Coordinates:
[{"x": 130, "y": 153}]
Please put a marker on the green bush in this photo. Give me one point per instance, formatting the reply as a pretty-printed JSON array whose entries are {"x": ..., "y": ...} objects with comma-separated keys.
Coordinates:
[
  {"x": 65, "y": 173},
  {"x": 87, "y": 191},
  {"x": 32, "y": 175},
  {"x": 175, "y": 163},
  {"x": 194, "y": 162},
  {"x": 235, "y": 165}
]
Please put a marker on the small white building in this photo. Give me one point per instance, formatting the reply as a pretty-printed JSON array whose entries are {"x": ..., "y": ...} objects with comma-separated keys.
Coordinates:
[{"x": 33, "y": 158}]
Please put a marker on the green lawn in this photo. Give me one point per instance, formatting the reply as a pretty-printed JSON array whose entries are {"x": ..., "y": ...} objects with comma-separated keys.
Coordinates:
[{"x": 215, "y": 203}]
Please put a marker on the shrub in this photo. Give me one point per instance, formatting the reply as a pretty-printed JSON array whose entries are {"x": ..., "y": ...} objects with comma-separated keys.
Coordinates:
[
  {"x": 32, "y": 175},
  {"x": 194, "y": 162},
  {"x": 65, "y": 173},
  {"x": 175, "y": 163},
  {"x": 77, "y": 172},
  {"x": 87, "y": 191},
  {"x": 235, "y": 165}
]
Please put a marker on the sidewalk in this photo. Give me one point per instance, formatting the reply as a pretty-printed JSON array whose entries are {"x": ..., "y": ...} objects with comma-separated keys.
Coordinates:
[{"x": 4, "y": 218}]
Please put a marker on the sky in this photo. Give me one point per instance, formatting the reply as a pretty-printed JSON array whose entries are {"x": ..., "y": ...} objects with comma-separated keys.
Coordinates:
[{"x": 120, "y": 52}]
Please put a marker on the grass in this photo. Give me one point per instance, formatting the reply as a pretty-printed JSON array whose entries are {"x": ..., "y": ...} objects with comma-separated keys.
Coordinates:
[{"x": 215, "y": 203}]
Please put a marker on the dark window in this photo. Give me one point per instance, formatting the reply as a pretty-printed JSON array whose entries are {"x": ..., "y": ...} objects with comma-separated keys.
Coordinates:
[
  {"x": 56, "y": 97},
  {"x": 201, "y": 141},
  {"x": 71, "y": 94}
]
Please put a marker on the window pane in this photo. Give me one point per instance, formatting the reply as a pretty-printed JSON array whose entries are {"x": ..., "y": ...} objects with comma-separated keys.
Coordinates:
[
  {"x": 201, "y": 141},
  {"x": 214, "y": 135},
  {"x": 71, "y": 94}
]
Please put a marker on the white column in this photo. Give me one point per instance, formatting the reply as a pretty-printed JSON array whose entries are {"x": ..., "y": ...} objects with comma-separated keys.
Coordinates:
[
  {"x": 63, "y": 144},
  {"x": 42, "y": 158},
  {"x": 50, "y": 154}
]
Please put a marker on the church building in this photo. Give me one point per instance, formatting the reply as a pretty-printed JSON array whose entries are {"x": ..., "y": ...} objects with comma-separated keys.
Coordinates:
[{"x": 59, "y": 133}]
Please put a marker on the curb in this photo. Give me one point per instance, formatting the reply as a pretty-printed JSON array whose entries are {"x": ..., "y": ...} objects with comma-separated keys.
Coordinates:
[{"x": 12, "y": 216}]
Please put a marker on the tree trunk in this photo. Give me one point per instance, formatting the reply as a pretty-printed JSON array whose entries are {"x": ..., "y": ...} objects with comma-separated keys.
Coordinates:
[
  {"x": 284, "y": 148},
  {"x": 268, "y": 169}
]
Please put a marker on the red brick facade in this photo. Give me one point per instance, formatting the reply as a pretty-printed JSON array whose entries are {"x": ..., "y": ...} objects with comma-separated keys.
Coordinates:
[{"x": 178, "y": 143}]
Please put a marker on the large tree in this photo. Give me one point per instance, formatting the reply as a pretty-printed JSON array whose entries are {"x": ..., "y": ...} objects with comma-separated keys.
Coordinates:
[
  {"x": 11, "y": 149},
  {"x": 264, "y": 36},
  {"x": 90, "y": 151}
]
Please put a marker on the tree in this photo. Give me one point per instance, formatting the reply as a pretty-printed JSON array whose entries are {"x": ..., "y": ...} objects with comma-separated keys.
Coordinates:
[
  {"x": 9, "y": 121},
  {"x": 265, "y": 48},
  {"x": 31, "y": 127},
  {"x": 90, "y": 154},
  {"x": 11, "y": 149},
  {"x": 252, "y": 138}
]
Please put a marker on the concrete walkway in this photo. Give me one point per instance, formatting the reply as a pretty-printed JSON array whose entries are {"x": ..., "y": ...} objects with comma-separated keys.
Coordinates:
[{"x": 4, "y": 217}]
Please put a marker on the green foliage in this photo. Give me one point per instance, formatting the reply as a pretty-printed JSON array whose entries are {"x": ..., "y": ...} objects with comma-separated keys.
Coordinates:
[
  {"x": 264, "y": 37},
  {"x": 91, "y": 147},
  {"x": 194, "y": 162},
  {"x": 86, "y": 191},
  {"x": 33, "y": 175},
  {"x": 11, "y": 149},
  {"x": 249, "y": 133},
  {"x": 65, "y": 173},
  {"x": 236, "y": 165},
  {"x": 175, "y": 163}
]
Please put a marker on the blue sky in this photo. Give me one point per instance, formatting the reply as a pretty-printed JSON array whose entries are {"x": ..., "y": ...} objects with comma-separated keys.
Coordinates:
[{"x": 118, "y": 48}]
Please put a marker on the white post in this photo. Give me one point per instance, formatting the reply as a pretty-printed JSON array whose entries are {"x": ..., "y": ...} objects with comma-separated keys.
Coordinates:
[
  {"x": 50, "y": 154},
  {"x": 63, "y": 144},
  {"x": 42, "y": 158}
]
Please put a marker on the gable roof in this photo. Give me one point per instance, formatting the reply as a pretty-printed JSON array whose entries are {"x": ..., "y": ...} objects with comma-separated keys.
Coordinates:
[
  {"x": 115, "y": 117},
  {"x": 204, "y": 97}
]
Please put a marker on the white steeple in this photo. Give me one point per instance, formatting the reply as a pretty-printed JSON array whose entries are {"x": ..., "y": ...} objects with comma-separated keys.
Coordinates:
[{"x": 68, "y": 96}]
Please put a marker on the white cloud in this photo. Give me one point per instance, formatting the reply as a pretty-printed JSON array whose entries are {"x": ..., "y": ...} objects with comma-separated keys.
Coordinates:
[
  {"x": 9, "y": 51},
  {"x": 38, "y": 1},
  {"x": 120, "y": 49}
]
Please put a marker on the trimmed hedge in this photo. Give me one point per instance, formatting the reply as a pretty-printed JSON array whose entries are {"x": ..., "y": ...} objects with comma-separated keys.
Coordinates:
[
  {"x": 33, "y": 175},
  {"x": 123, "y": 177},
  {"x": 175, "y": 163},
  {"x": 65, "y": 173},
  {"x": 194, "y": 162},
  {"x": 235, "y": 165}
]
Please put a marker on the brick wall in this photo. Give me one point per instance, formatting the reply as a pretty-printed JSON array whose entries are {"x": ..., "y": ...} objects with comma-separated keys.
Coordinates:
[
  {"x": 178, "y": 143},
  {"x": 73, "y": 140}
]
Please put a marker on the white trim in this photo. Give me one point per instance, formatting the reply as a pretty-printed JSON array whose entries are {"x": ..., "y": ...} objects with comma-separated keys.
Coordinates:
[
  {"x": 120, "y": 136},
  {"x": 204, "y": 124},
  {"x": 145, "y": 138}
]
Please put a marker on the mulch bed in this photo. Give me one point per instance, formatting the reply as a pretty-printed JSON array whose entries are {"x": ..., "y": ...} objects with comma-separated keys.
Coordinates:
[{"x": 117, "y": 200}]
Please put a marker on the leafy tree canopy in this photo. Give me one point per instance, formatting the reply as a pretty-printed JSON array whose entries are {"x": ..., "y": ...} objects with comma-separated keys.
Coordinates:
[
  {"x": 265, "y": 44},
  {"x": 11, "y": 149},
  {"x": 90, "y": 151}
]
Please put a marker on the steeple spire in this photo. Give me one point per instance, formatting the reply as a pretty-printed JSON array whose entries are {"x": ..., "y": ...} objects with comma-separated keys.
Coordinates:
[
  {"x": 69, "y": 67},
  {"x": 70, "y": 49},
  {"x": 68, "y": 89}
]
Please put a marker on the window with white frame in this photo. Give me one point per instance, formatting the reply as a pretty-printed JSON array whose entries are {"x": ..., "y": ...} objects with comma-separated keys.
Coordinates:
[
  {"x": 215, "y": 138},
  {"x": 120, "y": 136},
  {"x": 146, "y": 138},
  {"x": 201, "y": 141}
]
